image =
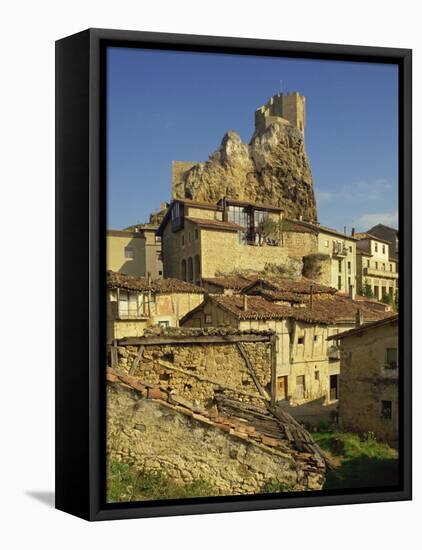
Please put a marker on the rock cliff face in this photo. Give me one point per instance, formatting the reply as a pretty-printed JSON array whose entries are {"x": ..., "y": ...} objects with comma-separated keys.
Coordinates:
[{"x": 273, "y": 169}]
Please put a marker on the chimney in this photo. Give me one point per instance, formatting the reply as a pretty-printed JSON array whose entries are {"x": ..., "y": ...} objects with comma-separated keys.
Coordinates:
[
  {"x": 245, "y": 302},
  {"x": 353, "y": 231},
  {"x": 359, "y": 318}
]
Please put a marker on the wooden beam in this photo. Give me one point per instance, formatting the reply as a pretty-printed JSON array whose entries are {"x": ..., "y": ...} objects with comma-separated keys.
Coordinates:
[
  {"x": 274, "y": 339},
  {"x": 136, "y": 360},
  {"x": 201, "y": 378},
  {"x": 251, "y": 371},
  {"x": 157, "y": 340}
]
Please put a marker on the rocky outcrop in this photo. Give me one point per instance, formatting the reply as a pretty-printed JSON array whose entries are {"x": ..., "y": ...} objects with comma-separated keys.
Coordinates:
[{"x": 273, "y": 169}]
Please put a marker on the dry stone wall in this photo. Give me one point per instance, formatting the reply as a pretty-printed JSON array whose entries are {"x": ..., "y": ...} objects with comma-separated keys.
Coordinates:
[
  {"x": 157, "y": 437},
  {"x": 201, "y": 371}
]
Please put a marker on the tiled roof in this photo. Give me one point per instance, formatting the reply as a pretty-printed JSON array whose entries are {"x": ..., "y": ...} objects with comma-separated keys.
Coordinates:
[
  {"x": 258, "y": 308},
  {"x": 291, "y": 225},
  {"x": 140, "y": 284},
  {"x": 276, "y": 296},
  {"x": 340, "y": 308},
  {"x": 391, "y": 320},
  {"x": 364, "y": 236},
  {"x": 233, "y": 283},
  {"x": 323, "y": 229},
  {"x": 302, "y": 286},
  {"x": 250, "y": 423},
  {"x": 214, "y": 224}
]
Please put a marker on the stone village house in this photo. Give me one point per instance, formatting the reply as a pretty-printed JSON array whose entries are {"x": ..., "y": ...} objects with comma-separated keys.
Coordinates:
[
  {"x": 375, "y": 267},
  {"x": 135, "y": 253},
  {"x": 303, "y": 315},
  {"x": 134, "y": 303},
  {"x": 202, "y": 240},
  {"x": 369, "y": 379},
  {"x": 186, "y": 414}
]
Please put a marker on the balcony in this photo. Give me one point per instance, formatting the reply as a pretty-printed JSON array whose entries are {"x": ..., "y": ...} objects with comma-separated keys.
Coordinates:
[
  {"x": 339, "y": 250},
  {"x": 370, "y": 272},
  {"x": 333, "y": 353}
]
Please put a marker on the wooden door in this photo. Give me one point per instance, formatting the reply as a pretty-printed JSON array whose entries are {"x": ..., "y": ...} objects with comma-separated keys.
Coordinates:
[{"x": 282, "y": 387}]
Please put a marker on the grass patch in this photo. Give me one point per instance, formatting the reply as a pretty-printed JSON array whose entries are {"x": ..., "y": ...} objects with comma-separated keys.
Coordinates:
[
  {"x": 358, "y": 461},
  {"x": 128, "y": 484}
]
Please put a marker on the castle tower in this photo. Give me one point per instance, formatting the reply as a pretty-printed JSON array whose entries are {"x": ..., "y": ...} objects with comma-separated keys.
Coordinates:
[{"x": 283, "y": 108}]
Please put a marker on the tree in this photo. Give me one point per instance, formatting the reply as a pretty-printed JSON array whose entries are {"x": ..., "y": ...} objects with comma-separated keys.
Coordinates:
[
  {"x": 270, "y": 229},
  {"x": 367, "y": 290}
]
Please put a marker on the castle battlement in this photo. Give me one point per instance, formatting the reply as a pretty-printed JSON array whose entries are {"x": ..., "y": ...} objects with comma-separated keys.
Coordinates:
[{"x": 285, "y": 108}]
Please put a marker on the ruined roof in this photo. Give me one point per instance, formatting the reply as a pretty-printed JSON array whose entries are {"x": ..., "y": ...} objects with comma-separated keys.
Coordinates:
[
  {"x": 251, "y": 423},
  {"x": 391, "y": 320},
  {"x": 258, "y": 308},
  {"x": 214, "y": 224},
  {"x": 277, "y": 284},
  {"x": 229, "y": 282},
  {"x": 157, "y": 286}
]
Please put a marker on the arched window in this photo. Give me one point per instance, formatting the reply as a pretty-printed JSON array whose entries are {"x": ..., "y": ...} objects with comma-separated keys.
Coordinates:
[
  {"x": 190, "y": 270},
  {"x": 197, "y": 266},
  {"x": 184, "y": 270}
]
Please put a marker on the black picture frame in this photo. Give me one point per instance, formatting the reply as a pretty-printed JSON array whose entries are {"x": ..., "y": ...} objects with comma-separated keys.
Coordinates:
[{"x": 81, "y": 269}]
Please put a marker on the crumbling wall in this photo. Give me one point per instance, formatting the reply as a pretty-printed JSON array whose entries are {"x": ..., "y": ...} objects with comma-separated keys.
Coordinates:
[
  {"x": 157, "y": 437},
  {"x": 201, "y": 371}
]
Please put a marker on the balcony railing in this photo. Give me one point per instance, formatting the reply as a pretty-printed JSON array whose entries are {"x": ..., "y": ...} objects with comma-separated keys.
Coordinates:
[
  {"x": 339, "y": 250},
  {"x": 384, "y": 274}
]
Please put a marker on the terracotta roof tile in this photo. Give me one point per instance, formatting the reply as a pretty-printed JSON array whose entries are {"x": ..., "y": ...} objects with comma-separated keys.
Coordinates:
[
  {"x": 214, "y": 224},
  {"x": 140, "y": 284}
]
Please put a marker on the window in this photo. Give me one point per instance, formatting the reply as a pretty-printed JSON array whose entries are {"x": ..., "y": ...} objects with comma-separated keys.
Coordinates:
[
  {"x": 260, "y": 216},
  {"x": 339, "y": 282},
  {"x": 391, "y": 267},
  {"x": 391, "y": 358},
  {"x": 301, "y": 340},
  {"x": 190, "y": 237},
  {"x": 316, "y": 338},
  {"x": 349, "y": 282},
  {"x": 376, "y": 247},
  {"x": 197, "y": 267},
  {"x": 157, "y": 239},
  {"x": 316, "y": 375},
  {"x": 183, "y": 270},
  {"x": 383, "y": 248},
  {"x": 386, "y": 410},
  {"x": 349, "y": 267},
  {"x": 350, "y": 248},
  {"x": 176, "y": 211},
  {"x": 368, "y": 263},
  {"x": 340, "y": 265},
  {"x": 163, "y": 323},
  {"x": 183, "y": 240},
  {"x": 208, "y": 319},
  {"x": 300, "y": 387},
  {"x": 190, "y": 269},
  {"x": 238, "y": 215},
  {"x": 326, "y": 243},
  {"x": 383, "y": 266},
  {"x": 376, "y": 265},
  {"x": 196, "y": 234},
  {"x": 129, "y": 252},
  {"x": 334, "y": 387},
  {"x": 160, "y": 273}
]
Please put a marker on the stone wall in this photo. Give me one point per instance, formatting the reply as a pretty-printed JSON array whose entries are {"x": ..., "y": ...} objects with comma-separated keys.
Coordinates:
[
  {"x": 300, "y": 244},
  {"x": 318, "y": 268},
  {"x": 365, "y": 382},
  {"x": 199, "y": 372},
  {"x": 157, "y": 437}
]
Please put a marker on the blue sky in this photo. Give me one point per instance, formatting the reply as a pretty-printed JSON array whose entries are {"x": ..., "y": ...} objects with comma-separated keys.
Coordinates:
[{"x": 164, "y": 106}]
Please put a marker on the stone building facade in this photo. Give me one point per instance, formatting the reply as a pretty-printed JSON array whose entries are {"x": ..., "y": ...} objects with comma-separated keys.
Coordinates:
[
  {"x": 134, "y": 303},
  {"x": 369, "y": 379},
  {"x": 341, "y": 251},
  {"x": 201, "y": 240},
  {"x": 375, "y": 267},
  {"x": 135, "y": 253}
]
